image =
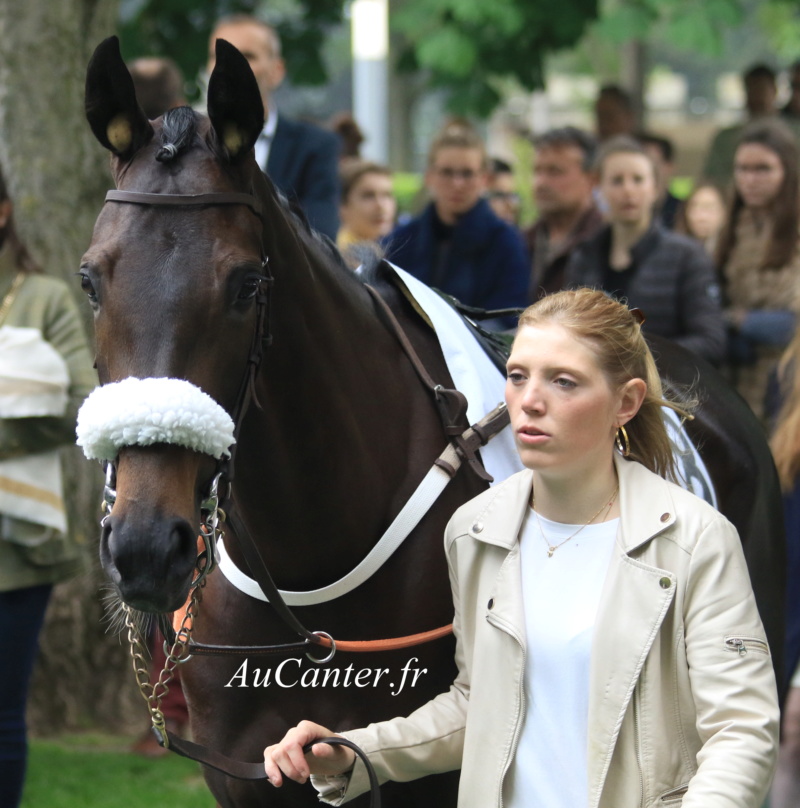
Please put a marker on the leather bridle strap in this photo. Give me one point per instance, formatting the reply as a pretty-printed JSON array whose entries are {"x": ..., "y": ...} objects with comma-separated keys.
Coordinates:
[
  {"x": 242, "y": 770},
  {"x": 222, "y": 198},
  {"x": 452, "y": 403}
]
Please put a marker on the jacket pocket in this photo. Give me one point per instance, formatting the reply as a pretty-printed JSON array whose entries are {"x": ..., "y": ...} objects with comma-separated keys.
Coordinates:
[
  {"x": 674, "y": 796},
  {"x": 743, "y": 645}
]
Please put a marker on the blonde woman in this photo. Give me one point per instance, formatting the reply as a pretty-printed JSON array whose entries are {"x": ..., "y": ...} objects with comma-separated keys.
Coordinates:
[{"x": 600, "y": 609}]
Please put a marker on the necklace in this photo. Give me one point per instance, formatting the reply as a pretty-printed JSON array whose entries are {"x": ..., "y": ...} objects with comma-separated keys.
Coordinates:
[{"x": 551, "y": 548}]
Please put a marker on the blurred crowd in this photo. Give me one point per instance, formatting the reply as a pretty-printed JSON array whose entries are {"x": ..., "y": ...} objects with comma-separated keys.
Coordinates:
[{"x": 716, "y": 271}]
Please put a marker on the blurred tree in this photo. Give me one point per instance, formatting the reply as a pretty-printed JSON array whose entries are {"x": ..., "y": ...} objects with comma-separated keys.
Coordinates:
[
  {"x": 465, "y": 45},
  {"x": 461, "y": 46},
  {"x": 181, "y": 28},
  {"x": 57, "y": 173}
]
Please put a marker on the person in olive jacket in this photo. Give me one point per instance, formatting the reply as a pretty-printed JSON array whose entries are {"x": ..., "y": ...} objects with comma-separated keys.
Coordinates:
[{"x": 39, "y": 314}]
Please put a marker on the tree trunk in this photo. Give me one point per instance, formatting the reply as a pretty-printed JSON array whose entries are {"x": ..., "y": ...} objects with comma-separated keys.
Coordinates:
[{"x": 57, "y": 175}]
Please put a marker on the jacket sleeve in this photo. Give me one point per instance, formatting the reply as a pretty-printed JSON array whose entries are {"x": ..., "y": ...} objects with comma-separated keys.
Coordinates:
[
  {"x": 64, "y": 331},
  {"x": 512, "y": 271},
  {"x": 429, "y": 741},
  {"x": 701, "y": 308},
  {"x": 731, "y": 674},
  {"x": 319, "y": 194}
]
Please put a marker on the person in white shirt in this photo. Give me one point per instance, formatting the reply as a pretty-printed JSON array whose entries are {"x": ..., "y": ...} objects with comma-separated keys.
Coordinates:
[{"x": 609, "y": 649}]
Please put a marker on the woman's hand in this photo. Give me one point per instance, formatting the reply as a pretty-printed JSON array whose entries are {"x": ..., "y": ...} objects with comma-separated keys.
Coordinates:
[{"x": 287, "y": 757}]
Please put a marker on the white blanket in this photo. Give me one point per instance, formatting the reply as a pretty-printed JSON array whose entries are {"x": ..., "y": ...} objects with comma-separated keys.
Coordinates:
[
  {"x": 473, "y": 373},
  {"x": 34, "y": 381}
]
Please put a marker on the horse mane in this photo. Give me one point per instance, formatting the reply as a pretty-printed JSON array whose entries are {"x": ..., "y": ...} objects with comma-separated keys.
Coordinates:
[
  {"x": 296, "y": 215},
  {"x": 178, "y": 128}
]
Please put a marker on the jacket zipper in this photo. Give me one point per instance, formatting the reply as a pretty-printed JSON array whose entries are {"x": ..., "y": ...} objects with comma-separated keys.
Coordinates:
[
  {"x": 674, "y": 793},
  {"x": 520, "y": 702},
  {"x": 637, "y": 744},
  {"x": 744, "y": 644}
]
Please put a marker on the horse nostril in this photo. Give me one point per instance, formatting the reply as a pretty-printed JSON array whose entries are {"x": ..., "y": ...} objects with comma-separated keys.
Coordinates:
[
  {"x": 107, "y": 554},
  {"x": 183, "y": 540}
]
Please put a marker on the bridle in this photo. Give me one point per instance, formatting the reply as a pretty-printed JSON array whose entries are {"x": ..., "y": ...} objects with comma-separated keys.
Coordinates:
[
  {"x": 212, "y": 514},
  {"x": 452, "y": 409}
]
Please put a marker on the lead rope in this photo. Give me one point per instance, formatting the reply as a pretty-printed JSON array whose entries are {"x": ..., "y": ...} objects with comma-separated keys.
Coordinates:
[{"x": 154, "y": 693}]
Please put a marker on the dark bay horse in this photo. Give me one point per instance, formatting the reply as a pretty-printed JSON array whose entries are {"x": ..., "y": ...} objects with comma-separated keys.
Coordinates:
[{"x": 335, "y": 440}]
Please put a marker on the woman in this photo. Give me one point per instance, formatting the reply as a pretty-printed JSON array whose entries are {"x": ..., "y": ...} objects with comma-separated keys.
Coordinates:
[
  {"x": 702, "y": 215},
  {"x": 608, "y": 644},
  {"x": 367, "y": 210},
  {"x": 758, "y": 256},
  {"x": 785, "y": 444},
  {"x": 668, "y": 276},
  {"x": 45, "y": 373}
]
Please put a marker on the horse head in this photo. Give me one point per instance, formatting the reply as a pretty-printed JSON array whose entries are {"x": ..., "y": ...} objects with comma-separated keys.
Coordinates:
[{"x": 175, "y": 274}]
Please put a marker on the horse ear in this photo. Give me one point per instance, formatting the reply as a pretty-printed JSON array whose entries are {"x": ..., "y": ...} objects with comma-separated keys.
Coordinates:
[
  {"x": 112, "y": 110},
  {"x": 234, "y": 101}
]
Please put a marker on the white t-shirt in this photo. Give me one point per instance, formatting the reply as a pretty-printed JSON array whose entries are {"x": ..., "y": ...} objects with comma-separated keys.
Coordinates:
[{"x": 561, "y": 596}]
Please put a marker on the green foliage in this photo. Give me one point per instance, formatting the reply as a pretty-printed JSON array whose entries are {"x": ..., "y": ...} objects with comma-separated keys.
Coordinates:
[
  {"x": 467, "y": 45},
  {"x": 781, "y": 24},
  {"x": 406, "y": 187},
  {"x": 693, "y": 26},
  {"x": 181, "y": 28}
]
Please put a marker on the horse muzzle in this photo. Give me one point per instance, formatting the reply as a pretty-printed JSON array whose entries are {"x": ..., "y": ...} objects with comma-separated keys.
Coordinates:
[{"x": 150, "y": 559}]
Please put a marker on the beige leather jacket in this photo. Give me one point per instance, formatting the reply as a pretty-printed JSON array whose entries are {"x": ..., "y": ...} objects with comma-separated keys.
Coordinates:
[{"x": 683, "y": 704}]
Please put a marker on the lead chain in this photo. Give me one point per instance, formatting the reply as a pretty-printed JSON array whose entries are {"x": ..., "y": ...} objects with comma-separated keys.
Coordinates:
[{"x": 177, "y": 655}]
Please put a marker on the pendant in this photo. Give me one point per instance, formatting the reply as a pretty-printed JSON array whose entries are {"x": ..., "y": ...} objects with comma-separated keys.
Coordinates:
[{"x": 550, "y": 551}]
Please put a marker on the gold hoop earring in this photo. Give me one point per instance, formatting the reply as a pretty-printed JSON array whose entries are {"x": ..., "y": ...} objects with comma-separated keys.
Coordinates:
[{"x": 623, "y": 443}]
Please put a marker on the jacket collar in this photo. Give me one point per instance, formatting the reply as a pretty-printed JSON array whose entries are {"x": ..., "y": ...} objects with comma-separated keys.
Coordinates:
[
  {"x": 472, "y": 228},
  {"x": 646, "y": 507}
]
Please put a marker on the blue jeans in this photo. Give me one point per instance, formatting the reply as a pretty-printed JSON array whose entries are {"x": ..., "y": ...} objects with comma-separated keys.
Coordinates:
[{"x": 21, "y": 617}]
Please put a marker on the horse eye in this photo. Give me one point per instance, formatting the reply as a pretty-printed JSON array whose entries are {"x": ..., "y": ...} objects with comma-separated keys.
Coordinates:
[
  {"x": 88, "y": 288},
  {"x": 249, "y": 289}
]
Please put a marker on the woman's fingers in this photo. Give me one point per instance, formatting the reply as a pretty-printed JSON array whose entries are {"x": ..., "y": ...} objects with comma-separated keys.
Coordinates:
[{"x": 287, "y": 759}]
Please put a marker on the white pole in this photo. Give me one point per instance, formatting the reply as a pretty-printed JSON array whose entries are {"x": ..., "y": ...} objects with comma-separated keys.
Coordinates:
[{"x": 370, "y": 48}]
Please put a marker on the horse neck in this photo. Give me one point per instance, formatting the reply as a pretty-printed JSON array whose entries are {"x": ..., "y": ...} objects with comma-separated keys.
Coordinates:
[{"x": 327, "y": 459}]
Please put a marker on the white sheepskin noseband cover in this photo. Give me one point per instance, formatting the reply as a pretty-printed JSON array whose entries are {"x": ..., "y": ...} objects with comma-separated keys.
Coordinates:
[{"x": 141, "y": 412}]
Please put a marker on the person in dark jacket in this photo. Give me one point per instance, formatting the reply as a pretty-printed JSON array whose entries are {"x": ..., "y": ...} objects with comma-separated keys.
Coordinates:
[
  {"x": 668, "y": 276},
  {"x": 563, "y": 188},
  {"x": 300, "y": 158},
  {"x": 457, "y": 244}
]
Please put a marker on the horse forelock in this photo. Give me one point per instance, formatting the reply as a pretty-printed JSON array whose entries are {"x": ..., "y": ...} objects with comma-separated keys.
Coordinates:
[{"x": 178, "y": 128}]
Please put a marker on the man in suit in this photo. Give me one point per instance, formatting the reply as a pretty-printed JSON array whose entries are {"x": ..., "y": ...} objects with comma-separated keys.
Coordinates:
[{"x": 301, "y": 159}]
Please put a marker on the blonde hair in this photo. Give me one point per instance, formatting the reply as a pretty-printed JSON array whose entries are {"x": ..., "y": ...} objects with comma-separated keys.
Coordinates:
[
  {"x": 785, "y": 442},
  {"x": 614, "y": 333},
  {"x": 457, "y": 134}
]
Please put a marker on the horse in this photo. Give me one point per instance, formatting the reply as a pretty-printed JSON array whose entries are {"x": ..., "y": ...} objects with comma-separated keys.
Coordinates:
[{"x": 333, "y": 431}]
